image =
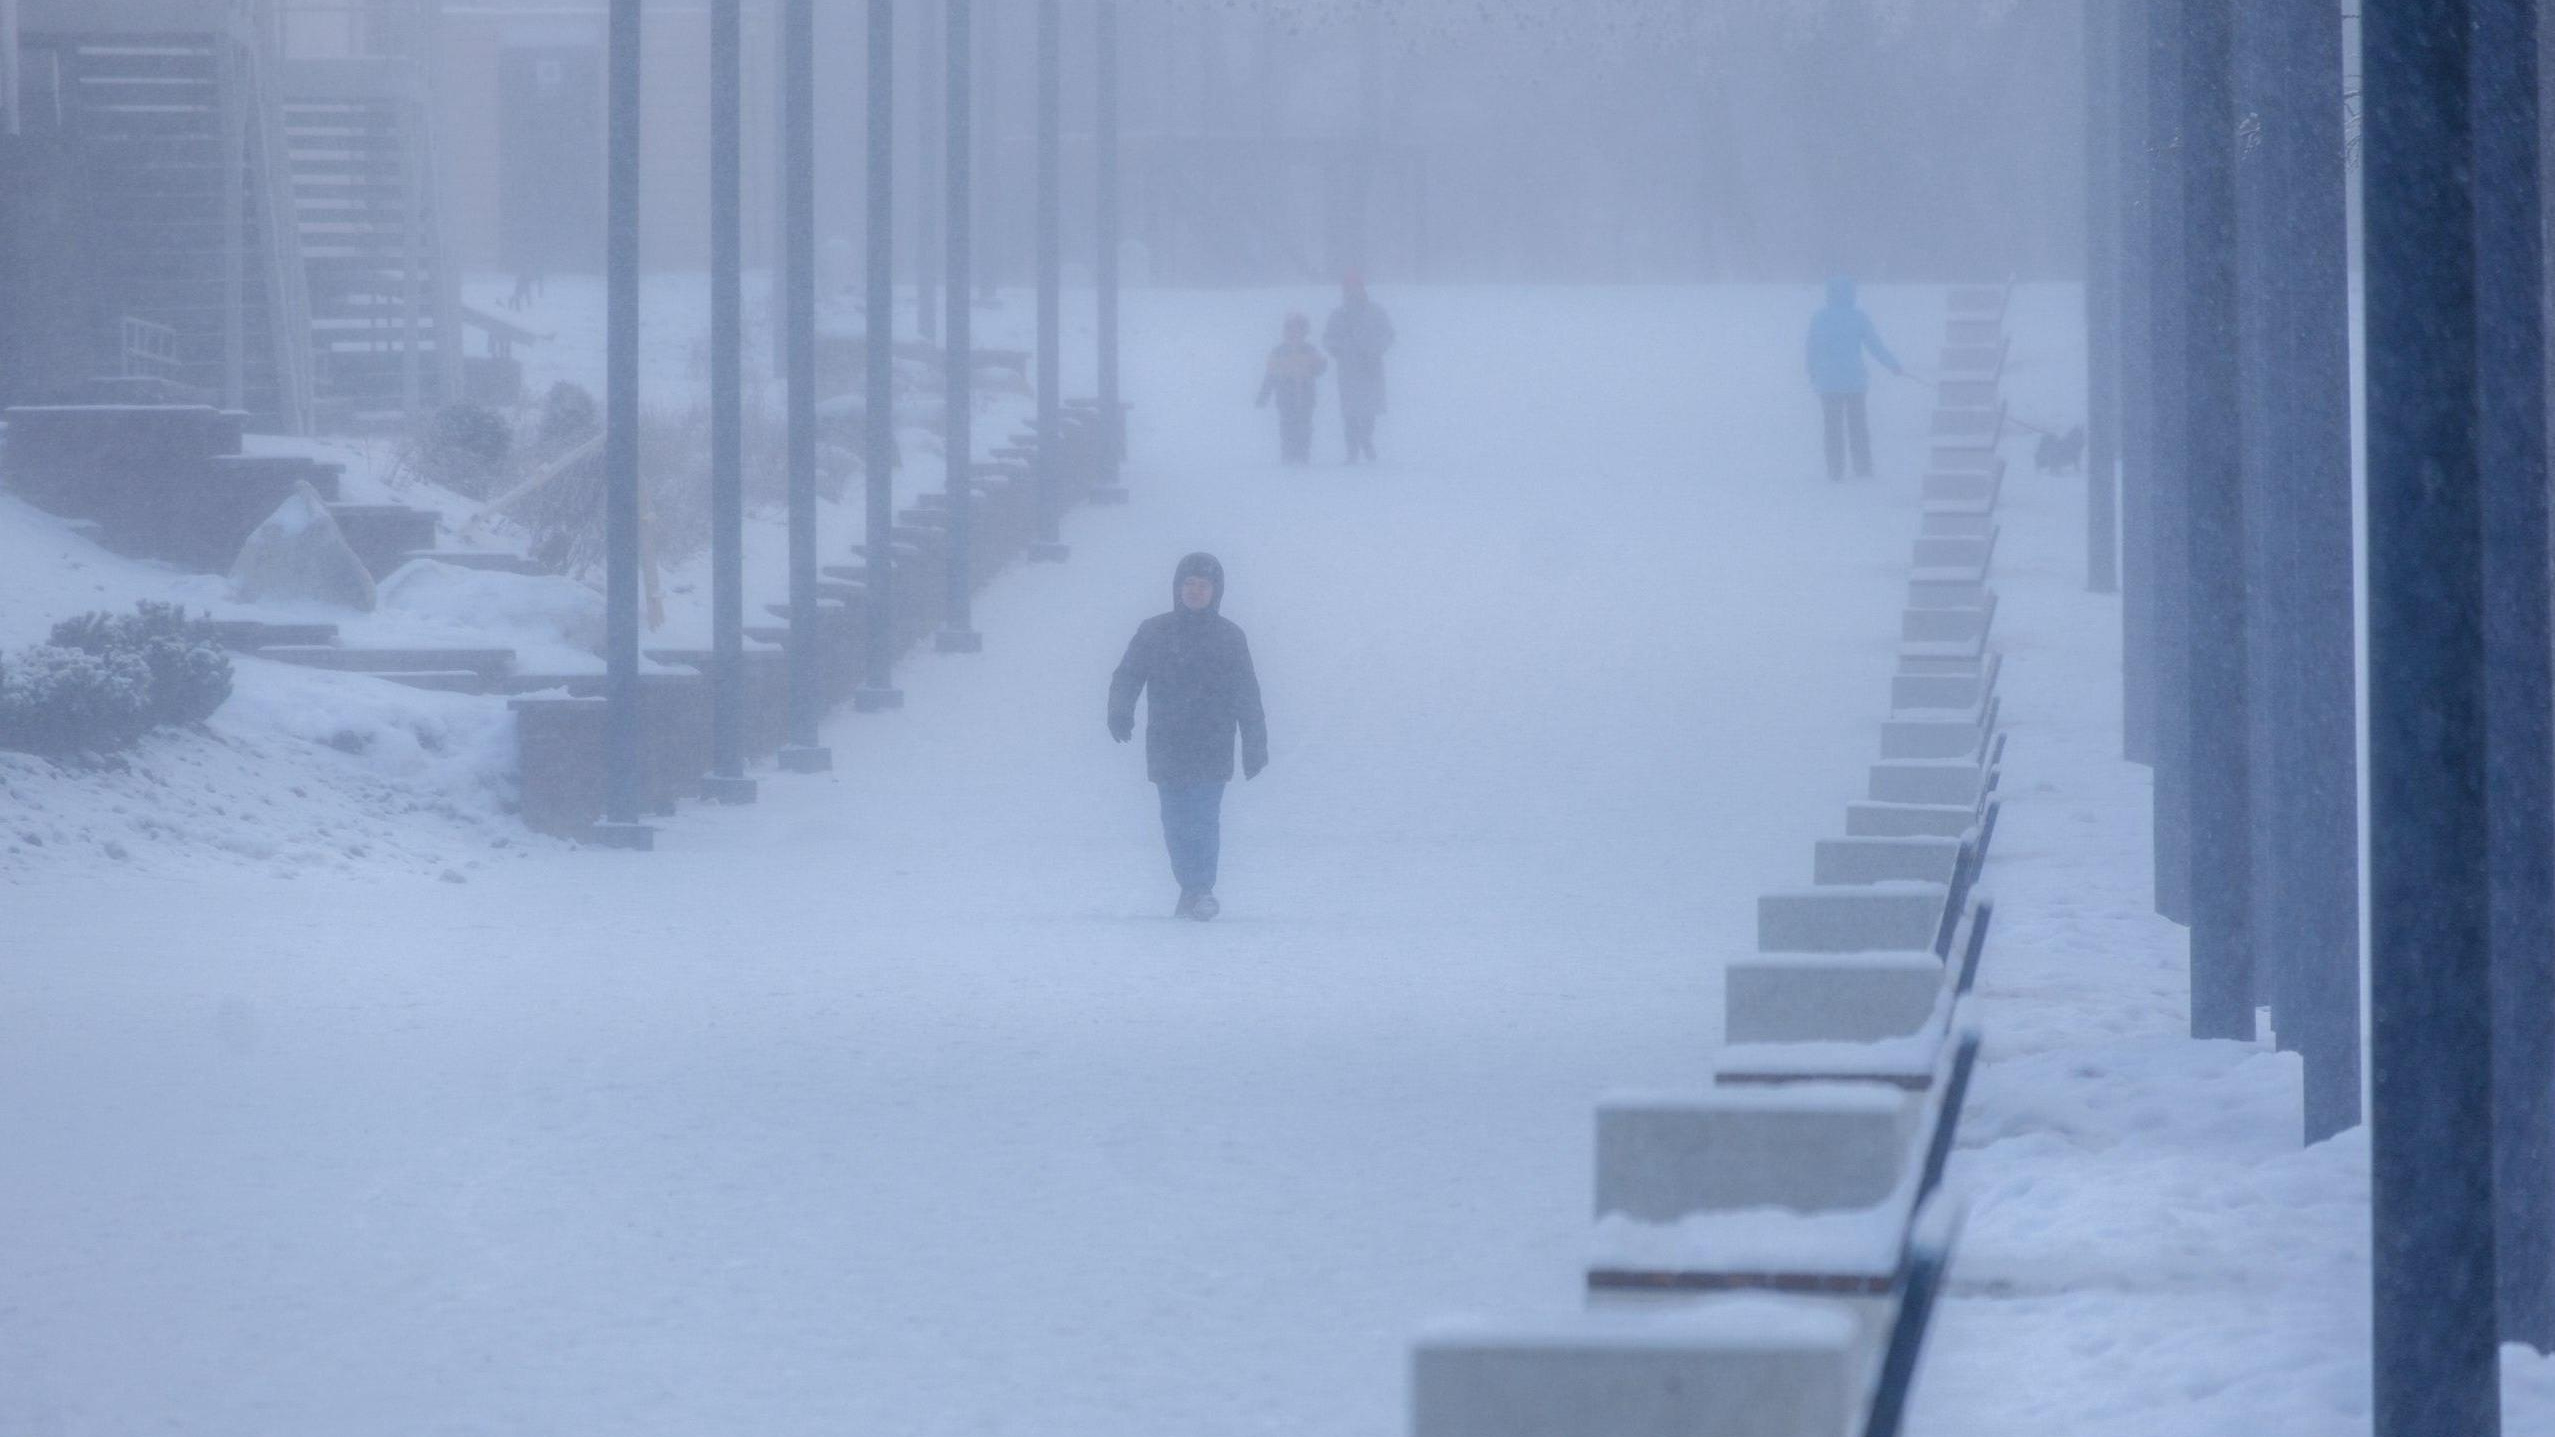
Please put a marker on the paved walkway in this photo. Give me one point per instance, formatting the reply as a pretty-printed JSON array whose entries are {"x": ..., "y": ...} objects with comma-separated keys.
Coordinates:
[{"x": 896, "y": 1104}]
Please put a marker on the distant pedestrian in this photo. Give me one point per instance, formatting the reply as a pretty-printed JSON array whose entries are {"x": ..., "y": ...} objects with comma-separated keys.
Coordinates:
[
  {"x": 1840, "y": 333},
  {"x": 1194, "y": 666},
  {"x": 1295, "y": 369},
  {"x": 1358, "y": 334}
]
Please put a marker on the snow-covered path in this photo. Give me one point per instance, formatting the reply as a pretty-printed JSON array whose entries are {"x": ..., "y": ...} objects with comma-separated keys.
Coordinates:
[{"x": 895, "y": 1104}]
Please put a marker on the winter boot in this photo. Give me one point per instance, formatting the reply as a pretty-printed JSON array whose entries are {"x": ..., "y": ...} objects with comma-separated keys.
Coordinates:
[
  {"x": 1204, "y": 907},
  {"x": 1188, "y": 904}
]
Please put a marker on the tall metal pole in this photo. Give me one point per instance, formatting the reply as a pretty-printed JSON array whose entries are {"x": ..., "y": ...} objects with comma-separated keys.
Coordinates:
[
  {"x": 929, "y": 243},
  {"x": 958, "y": 633},
  {"x": 1050, "y": 224},
  {"x": 2430, "y": 965},
  {"x": 1113, "y": 417},
  {"x": 2102, "y": 294},
  {"x": 2219, "y": 737},
  {"x": 727, "y": 782},
  {"x": 2301, "y": 610},
  {"x": 623, "y": 782},
  {"x": 2168, "y": 469},
  {"x": 798, "y": 143},
  {"x": 2519, "y": 690},
  {"x": 878, "y": 461},
  {"x": 2137, "y": 434}
]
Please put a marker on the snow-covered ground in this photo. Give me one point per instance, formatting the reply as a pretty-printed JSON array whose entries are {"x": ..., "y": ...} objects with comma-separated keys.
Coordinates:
[{"x": 896, "y": 1104}]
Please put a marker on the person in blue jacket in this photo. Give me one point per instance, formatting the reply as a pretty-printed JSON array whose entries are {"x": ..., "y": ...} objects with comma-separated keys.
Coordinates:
[{"x": 1839, "y": 334}]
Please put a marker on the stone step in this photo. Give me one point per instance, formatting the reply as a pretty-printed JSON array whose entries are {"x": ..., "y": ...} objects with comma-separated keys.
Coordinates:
[
  {"x": 248, "y": 635},
  {"x": 493, "y": 663},
  {"x": 491, "y": 561},
  {"x": 449, "y": 681}
]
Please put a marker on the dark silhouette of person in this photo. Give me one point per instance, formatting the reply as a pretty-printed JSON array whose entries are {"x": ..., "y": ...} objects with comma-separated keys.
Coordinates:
[
  {"x": 1194, "y": 668},
  {"x": 1295, "y": 369},
  {"x": 1357, "y": 335}
]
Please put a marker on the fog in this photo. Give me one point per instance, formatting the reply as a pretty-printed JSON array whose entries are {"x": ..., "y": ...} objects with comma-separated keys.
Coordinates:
[{"x": 1467, "y": 718}]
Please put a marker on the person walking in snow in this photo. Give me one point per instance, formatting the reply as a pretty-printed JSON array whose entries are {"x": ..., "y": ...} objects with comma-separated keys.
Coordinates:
[
  {"x": 1295, "y": 367},
  {"x": 1840, "y": 333},
  {"x": 1357, "y": 335},
  {"x": 1195, "y": 667}
]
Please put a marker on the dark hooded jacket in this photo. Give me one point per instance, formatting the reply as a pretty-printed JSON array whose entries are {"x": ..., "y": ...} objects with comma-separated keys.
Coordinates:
[{"x": 1196, "y": 666}]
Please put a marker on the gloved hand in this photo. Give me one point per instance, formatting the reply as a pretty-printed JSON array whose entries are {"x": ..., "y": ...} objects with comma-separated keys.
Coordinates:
[
  {"x": 1251, "y": 768},
  {"x": 1122, "y": 729}
]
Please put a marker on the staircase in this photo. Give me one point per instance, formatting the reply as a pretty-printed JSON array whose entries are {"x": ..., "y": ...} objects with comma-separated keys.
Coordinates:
[
  {"x": 385, "y": 331},
  {"x": 157, "y": 117}
]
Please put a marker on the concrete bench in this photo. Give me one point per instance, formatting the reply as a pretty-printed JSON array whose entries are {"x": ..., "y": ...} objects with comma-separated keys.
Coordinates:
[
  {"x": 1741, "y": 1366},
  {"x": 1979, "y": 485},
  {"x": 1828, "y": 997},
  {"x": 1925, "y": 858},
  {"x": 1918, "y": 626},
  {"x": 1981, "y": 331},
  {"x": 1956, "y": 781},
  {"x": 1973, "y": 361},
  {"x": 1849, "y": 918},
  {"x": 1908, "y": 820},
  {"x": 1979, "y": 300},
  {"x": 1908, "y": 1060},
  {"x": 1985, "y": 422},
  {"x": 1810, "y": 1148},
  {"x": 1953, "y": 519},
  {"x": 1942, "y": 551},
  {"x": 1965, "y": 393},
  {"x": 1939, "y": 735},
  {"x": 1964, "y": 588},
  {"x": 1944, "y": 690},
  {"x": 1849, "y": 1253}
]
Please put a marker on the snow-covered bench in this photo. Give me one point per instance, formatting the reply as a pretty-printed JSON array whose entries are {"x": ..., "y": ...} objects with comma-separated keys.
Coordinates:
[
  {"x": 1952, "y": 551},
  {"x": 1904, "y": 780},
  {"x": 1938, "y": 626},
  {"x": 1924, "y": 858},
  {"x": 1854, "y": 918},
  {"x": 1733, "y": 1367},
  {"x": 1936, "y": 690},
  {"x": 1849, "y": 1251},
  {"x": 1814, "y": 1147},
  {"x": 1907, "y": 1060}
]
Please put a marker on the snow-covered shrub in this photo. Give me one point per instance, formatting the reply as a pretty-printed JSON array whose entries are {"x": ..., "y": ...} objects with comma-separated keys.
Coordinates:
[
  {"x": 465, "y": 448},
  {"x": 60, "y": 701},
  {"x": 190, "y": 674}
]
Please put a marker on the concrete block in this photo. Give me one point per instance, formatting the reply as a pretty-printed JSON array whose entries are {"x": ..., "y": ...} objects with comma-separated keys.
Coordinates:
[
  {"x": 1947, "y": 589},
  {"x": 1971, "y": 624},
  {"x": 1909, "y": 820},
  {"x": 1828, "y": 997},
  {"x": 1811, "y": 1147},
  {"x": 1955, "y": 521},
  {"x": 1941, "y": 659},
  {"x": 1922, "y": 859},
  {"x": 1933, "y": 781},
  {"x": 1968, "y": 552},
  {"x": 1744, "y": 1366},
  {"x": 1939, "y": 690},
  {"x": 1958, "y": 737},
  {"x": 1966, "y": 393},
  {"x": 1856, "y": 919}
]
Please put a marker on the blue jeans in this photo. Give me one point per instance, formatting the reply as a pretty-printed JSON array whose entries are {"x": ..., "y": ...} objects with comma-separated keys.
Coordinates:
[{"x": 1192, "y": 828}]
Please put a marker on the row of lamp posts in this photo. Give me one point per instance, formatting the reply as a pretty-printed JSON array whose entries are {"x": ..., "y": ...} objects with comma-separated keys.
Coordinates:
[
  {"x": 625, "y": 785},
  {"x": 2219, "y": 318}
]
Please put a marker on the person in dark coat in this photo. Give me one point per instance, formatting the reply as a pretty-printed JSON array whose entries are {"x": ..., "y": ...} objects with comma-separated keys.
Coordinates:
[
  {"x": 1196, "y": 668},
  {"x": 1357, "y": 335},
  {"x": 1295, "y": 368},
  {"x": 1840, "y": 333}
]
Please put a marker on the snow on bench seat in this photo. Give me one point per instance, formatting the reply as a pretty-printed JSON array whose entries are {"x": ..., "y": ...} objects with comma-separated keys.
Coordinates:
[{"x": 1739, "y": 1366}]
